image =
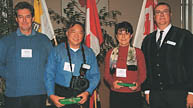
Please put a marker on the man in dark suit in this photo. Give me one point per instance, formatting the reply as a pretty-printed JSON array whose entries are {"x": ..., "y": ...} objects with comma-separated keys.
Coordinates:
[{"x": 169, "y": 60}]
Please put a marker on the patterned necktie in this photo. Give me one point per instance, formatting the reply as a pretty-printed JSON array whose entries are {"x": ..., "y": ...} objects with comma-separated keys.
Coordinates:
[{"x": 159, "y": 39}]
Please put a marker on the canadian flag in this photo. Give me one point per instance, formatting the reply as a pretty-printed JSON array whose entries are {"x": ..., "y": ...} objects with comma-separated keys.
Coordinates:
[
  {"x": 146, "y": 23},
  {"x": 94, "y": 36}
]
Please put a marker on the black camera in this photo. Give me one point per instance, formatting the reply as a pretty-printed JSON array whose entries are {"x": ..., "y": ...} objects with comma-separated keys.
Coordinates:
[{"x": 80, "y": 83}]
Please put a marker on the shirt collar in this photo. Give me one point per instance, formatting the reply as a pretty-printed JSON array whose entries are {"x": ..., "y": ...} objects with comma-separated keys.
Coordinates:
[
  {"x": 21, "y": 34},
  {"x": 75, "y": 49},
  {"x": 164, "y": 33},
  {"x": 166, "y": 29}
]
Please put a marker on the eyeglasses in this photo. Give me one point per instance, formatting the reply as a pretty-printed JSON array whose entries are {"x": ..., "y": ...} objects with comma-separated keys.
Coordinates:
[
  {"x": 76, "y": 32},
  {"x": 158, "y": 12}
]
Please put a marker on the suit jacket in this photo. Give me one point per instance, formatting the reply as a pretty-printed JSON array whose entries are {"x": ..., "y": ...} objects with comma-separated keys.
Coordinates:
[{"x": 175, "y": 59}]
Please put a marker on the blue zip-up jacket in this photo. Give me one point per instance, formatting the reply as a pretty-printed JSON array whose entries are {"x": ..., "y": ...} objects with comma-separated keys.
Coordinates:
[{"x": 55, "y": 72}]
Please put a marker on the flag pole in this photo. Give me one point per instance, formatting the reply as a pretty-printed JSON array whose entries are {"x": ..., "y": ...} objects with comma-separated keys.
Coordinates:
[
  {"x": 55, "y": 41},
  {"x": 95, "y": 99}
]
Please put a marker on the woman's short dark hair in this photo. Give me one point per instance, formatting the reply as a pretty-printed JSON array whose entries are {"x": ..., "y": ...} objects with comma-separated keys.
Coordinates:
[
  {"x": 125, "y": 26},
  {"x": 24, "y": 5}
]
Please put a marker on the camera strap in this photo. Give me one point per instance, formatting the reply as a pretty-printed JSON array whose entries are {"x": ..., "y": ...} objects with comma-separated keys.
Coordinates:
[{"x": 69, "y": 56}]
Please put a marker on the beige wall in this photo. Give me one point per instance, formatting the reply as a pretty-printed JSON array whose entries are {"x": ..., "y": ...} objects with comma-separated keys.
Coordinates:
[
  {"x": 130, "y": 10},
  {"x": 16, "y": 1}
]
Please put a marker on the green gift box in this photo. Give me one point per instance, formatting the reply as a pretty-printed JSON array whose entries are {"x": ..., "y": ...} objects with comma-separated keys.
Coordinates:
[
  {"x": 126, "y": 84},
  {"x": 70, "y": 100}
]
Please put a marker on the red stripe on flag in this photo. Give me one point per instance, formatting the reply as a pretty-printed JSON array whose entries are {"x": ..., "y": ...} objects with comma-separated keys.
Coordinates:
[
  {"x": 91, "y": 104},
  {"x": 87, "y": 42},
  {"x": 93, "y": 28},
  {"x": 94, "y": 22}
]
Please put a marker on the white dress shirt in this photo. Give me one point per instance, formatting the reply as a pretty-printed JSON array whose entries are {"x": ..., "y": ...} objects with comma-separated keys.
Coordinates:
[{"x": 165, "y": 31}]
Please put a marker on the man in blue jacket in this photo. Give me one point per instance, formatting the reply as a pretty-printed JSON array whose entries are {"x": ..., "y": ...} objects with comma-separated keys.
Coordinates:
[
  {"x": 23, "y": 58},
  {"x": 65, "y": 61}
]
